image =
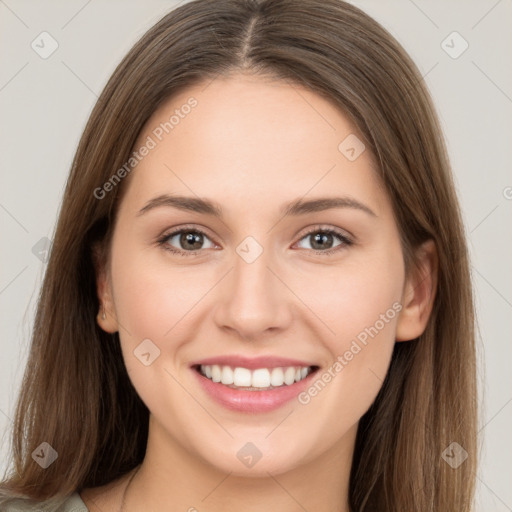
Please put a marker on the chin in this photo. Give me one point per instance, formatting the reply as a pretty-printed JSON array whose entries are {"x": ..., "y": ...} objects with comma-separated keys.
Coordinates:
[{"x": 252, "y": 459}]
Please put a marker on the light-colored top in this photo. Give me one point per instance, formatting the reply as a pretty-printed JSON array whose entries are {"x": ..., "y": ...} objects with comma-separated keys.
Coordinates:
[{"x": 72, "y": 504}]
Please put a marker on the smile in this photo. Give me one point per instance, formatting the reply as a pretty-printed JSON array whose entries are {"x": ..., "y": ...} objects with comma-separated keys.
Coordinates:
[
  {"x": 252, "y": 386},
  {"x": 255, "y": 380}
]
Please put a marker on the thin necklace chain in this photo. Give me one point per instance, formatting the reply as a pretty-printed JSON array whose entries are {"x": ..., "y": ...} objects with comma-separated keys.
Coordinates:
[{"x": 123, "y": 499}]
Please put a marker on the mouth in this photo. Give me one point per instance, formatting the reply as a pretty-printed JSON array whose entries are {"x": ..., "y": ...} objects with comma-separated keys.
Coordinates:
[
  {"x": 260, "y": 379},
  {"x": 253, "y": 388}
]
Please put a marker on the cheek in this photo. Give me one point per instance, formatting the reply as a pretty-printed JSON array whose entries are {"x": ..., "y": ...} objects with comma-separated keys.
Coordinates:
[
  {"x": 154, "y": 302},
  {"x": 360, "y": 304},
  {"x": 150, "y": 297},
  {"x": 350, "y": 298}
]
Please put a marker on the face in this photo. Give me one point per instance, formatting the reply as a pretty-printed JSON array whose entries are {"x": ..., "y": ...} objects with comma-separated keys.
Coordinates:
[{"x": 310, "y": 295}]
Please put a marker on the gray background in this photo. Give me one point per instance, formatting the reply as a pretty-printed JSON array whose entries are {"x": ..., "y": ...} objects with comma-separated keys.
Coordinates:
[{"x": 44, "y": 104}]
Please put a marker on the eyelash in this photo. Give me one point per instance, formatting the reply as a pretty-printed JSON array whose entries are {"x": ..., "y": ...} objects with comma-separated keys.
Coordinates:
[{"x": 345, "y": 241}]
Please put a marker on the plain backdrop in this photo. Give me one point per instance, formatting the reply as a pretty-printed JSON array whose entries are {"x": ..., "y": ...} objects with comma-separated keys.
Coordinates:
[{"x": 45, "y": 102}]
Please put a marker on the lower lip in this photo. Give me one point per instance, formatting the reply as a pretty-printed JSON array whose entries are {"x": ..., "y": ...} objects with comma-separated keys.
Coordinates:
[{"x": 252, "y": 401}]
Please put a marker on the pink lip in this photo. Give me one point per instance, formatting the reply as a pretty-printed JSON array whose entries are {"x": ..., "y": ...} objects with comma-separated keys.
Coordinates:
[
  {"x": 252, "y": 401},
  {"x": 252, "y": 363}
]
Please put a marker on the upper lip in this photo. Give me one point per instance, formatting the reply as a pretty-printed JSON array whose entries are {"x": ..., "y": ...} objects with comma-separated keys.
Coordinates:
[{"x": 252, "y": 363}]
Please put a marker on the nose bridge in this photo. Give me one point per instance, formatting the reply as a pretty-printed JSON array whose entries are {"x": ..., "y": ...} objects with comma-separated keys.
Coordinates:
[{"x": 254, "y": 300}]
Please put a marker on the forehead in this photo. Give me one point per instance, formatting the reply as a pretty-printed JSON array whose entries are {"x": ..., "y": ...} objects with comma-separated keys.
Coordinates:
[{"x": 244, "y": 137}]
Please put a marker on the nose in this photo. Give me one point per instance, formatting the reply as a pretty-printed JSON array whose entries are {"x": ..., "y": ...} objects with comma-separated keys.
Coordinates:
[{"x": 253, "y": 300}]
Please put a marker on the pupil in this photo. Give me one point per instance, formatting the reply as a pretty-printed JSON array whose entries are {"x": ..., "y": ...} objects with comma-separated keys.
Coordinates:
[
  {"x": 319, "y": 239},
  {"x": 190, "y": 238}
]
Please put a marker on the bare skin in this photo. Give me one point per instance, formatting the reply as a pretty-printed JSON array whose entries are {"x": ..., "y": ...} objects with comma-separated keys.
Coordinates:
[{"x": 252, "y": 145}]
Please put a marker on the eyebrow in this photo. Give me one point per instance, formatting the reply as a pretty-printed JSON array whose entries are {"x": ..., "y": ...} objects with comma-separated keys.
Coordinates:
[{"x": 294, "y": 208}]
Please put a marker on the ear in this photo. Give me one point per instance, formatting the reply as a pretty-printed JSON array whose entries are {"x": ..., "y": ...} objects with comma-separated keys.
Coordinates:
[
  {"x": 106, "y": 317},
  {"x": 418, "y": 294}
]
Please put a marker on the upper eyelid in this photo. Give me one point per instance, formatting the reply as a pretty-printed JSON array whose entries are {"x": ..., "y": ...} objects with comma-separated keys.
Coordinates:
[{"x": 335, "y": 231}]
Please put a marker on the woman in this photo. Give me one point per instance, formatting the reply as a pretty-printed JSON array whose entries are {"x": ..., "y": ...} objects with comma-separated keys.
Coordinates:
[{"x": 258, "y": 294}]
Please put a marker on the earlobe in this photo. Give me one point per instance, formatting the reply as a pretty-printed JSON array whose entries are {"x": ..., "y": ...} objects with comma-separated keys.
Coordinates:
[
  {"x": 106, "y": 321},
  {"x": 419, "y": 294},
  {"x": 105, "y": 317}
]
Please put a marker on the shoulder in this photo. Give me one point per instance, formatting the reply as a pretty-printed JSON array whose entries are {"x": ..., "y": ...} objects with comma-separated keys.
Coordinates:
[{"x": 72, "y": 503}]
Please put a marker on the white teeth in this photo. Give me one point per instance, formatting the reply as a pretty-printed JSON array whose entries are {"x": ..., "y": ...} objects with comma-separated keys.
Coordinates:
[
  {"x": 242, "y": 377},
  {"x": 216, "y": 373},
  {"x": 227, "y": 375},
  {"x": 261, "y": 378},
  {"x": 277, "y": 377},
  {"x": 289, "y": 376}
]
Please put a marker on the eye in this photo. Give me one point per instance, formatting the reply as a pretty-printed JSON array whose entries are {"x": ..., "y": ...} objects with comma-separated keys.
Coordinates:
[
  {"x": 188, "y": 240},
  {"x": 322, "y": 241}
]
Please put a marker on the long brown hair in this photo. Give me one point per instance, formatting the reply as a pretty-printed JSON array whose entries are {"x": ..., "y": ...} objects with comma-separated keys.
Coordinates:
[{"x": 76, "y": 394}]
